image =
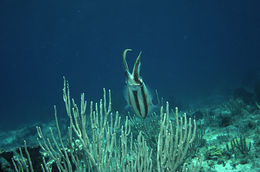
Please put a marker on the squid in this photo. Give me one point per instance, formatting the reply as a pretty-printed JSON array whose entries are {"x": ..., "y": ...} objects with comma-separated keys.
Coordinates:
[{"x": 138, "y": 96}]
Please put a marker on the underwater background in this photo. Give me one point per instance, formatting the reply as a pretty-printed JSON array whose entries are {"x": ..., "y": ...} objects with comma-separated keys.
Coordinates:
[
  {"x": 189, "y": 47},
  {"x": 195, "y": 53}
]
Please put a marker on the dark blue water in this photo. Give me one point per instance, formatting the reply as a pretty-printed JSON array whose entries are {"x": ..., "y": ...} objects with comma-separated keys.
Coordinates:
[{"x": 189, "y": 47}]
